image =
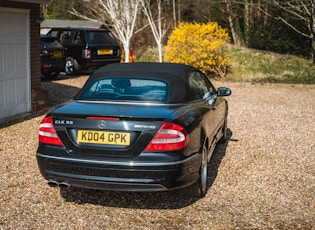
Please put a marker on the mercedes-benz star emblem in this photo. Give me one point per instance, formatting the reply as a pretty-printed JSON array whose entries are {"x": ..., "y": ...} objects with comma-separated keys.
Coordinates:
[{"x": 101, "y": 124}]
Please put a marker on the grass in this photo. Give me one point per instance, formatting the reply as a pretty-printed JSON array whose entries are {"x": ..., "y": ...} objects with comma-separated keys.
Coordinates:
[
  {"x": 248, "y": 65},
  {"x": 150, "y": 55}
]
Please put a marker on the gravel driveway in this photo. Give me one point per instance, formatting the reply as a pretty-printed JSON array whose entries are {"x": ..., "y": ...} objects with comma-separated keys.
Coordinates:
[{"x": 263, "y": 178}]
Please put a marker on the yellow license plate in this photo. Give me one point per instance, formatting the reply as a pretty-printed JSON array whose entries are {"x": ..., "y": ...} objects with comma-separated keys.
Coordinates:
[
  {"x": 57, "y": 53},
  {"x": 103, "y": 137},
  {"x": 105, "y": 52}
]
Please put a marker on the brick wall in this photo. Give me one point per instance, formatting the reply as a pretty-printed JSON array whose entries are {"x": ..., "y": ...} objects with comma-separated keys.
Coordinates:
[{"x": 38, "y": 96}]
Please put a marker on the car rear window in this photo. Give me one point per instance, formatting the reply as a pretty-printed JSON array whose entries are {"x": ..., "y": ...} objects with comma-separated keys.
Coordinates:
[
  {"x": 126, "y": 89},
  {"x": 100, "y": 38},
  {"x": 49, "y": 42}
]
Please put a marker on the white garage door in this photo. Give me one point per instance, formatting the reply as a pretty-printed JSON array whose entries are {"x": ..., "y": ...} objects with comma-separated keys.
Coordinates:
[{"x": 14, "y": 63}]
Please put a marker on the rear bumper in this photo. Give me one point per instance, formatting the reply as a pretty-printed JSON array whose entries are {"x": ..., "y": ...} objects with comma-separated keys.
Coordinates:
[
  {"x": 92, "y": 64},
  {"x": 57, "y": 64},
  {"x": 141, "y": 175}
]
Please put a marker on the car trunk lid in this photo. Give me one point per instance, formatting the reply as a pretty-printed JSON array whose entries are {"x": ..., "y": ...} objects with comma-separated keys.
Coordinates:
[{"x": 114, "y": 130}]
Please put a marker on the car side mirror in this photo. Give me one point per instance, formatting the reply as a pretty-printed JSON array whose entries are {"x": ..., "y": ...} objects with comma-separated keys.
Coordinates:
[{"x": 223, "y": 91}]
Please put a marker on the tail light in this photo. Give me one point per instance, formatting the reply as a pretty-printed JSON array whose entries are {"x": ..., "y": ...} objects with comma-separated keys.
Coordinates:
[
  {"x": 103, "y": 118},
  {"x": 47, "y": 65},
  {"x": 47, "y": 133},
  {"x": 86, "y": 53},
  {"x": 170, "y": 137},
  {"x": 44, "y": 52}
]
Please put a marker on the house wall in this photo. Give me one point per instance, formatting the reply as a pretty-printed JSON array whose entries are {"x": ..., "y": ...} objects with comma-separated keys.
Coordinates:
[{"x": 38, "y": 96}]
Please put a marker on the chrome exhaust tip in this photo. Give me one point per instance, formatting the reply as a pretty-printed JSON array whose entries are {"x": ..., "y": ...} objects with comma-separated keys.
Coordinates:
[
  {"x": 53, "y": 183},
  {"x": 64, "y": 185}
]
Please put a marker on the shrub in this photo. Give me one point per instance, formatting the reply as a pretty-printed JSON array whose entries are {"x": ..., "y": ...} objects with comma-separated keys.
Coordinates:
[
  {"x": 199, "y": 45},
  {"x": 149, "y": 55}
]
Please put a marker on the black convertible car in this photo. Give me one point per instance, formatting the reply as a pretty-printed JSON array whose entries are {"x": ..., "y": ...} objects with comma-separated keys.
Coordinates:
[{"x": 135, "y": 127}]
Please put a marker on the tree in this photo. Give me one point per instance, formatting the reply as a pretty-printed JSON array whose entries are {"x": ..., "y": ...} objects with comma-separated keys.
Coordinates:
[
  {"x": 235, "y": 29},
  {"x": 279, "y": 26},
  {"x": 302, "y": 11},
  {"x": 57, "y": 9},
  {"x": 157, "y": 26},
  {"x": 119, "y": 15},
  {"x": 199, "y": 45},
  {"x": 257, "y": 24},
  {"x": 174, "y": 12}
]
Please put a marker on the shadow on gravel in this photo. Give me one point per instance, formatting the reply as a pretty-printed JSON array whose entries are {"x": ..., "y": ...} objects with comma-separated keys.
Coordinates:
[
  {"x": 146, "y": 200},
  {"x": 58, "y": 93},
  {"x": 217, "y": 157},
  {"x": 64, "y": 76}
]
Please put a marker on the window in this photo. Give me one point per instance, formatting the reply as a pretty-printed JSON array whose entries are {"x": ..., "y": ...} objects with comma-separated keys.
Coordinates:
[
  {"x": 126, "y": 89},
  {"x": 100, "y": 37},
  {"x": 53, "y": 33},
  {"x": 199, "y": 86},
  {"x": 77, "y": 38},
  {"x": 65, "y": 37}
]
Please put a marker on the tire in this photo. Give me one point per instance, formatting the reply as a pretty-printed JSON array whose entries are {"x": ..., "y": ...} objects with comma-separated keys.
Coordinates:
[
  {"x": 199, "y": 189},
  {"x": 223, "y": 139},
  {"x": 72, "y": 67}
]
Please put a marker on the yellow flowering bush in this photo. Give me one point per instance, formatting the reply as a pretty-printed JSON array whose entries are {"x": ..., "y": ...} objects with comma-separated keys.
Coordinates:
[{"x": 199, "y": 45}]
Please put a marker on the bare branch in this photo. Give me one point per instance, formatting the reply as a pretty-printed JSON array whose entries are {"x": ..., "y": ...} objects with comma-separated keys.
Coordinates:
[
  {"x": 121, "y": 16},
  {"x": 158, "y": 30}
]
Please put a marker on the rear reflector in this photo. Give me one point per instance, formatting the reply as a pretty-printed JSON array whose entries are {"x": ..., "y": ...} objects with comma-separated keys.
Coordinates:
[
  {"x": 47, "y": 133},
  {"x": 170, "y": 137}
]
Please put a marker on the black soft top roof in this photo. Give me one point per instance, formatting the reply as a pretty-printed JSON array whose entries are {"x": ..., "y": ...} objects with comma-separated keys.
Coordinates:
[
  {"x": 175, "y": 74},
  {"x": 79, "y": 28}
]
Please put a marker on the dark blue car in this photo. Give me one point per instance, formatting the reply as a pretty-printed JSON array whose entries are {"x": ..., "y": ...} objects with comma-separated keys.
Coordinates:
[
  {"x": 135, "y": 127},
  {"x": 52, "y": 57}
]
